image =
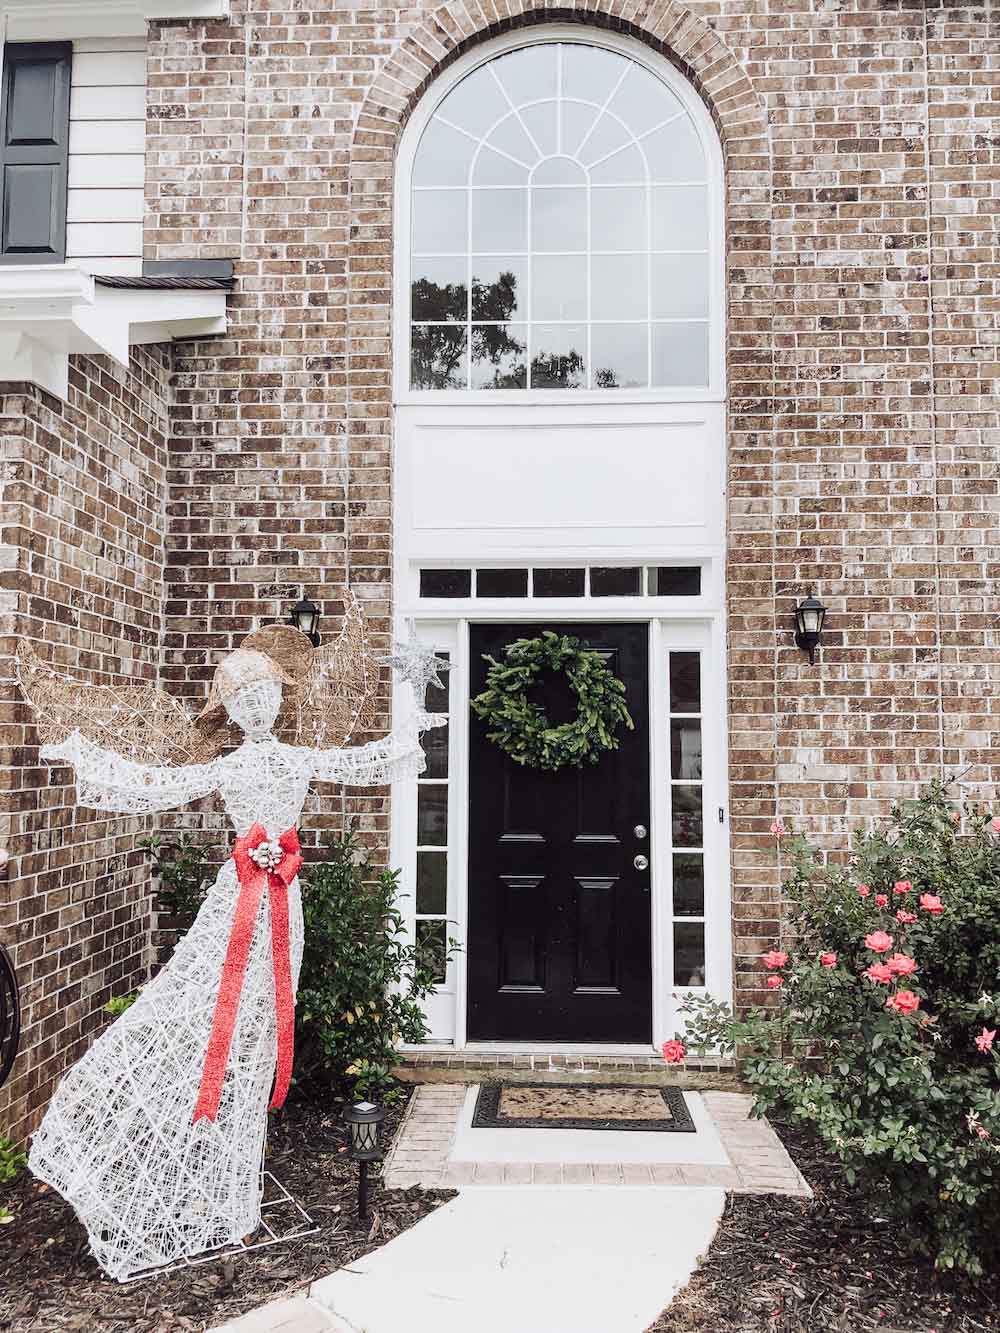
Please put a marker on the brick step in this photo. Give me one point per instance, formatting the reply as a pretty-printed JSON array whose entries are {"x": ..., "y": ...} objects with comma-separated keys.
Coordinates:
[{"x": 477, "y": 1067}]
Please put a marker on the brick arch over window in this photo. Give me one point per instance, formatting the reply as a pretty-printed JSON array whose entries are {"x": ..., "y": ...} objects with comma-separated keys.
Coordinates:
[{"x": 680, "y": 37}]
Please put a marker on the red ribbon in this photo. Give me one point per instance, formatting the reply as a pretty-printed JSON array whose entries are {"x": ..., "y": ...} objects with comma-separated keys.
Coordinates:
[{"x": 254, "y": 879}]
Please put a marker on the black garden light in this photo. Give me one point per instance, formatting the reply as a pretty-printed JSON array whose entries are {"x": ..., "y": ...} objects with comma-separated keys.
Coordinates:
[
  {"x": 305, "y": 617},
  {"x": 809, "y": 617},
  {"x": 364, "y": 1120}
]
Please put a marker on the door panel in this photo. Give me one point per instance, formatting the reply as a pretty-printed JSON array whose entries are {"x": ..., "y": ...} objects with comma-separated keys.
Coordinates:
[{"x": 559, "y": 945}]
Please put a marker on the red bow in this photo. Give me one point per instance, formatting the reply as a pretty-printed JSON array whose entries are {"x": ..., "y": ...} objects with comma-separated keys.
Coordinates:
[{"x": 253, "y": 881}]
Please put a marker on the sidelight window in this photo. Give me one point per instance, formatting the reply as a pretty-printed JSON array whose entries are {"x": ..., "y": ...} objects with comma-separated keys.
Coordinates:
[
  {"x": 559, "y": 229},
  {"x": 687, "y": 818},
  {"x": 432, "y": 837}
]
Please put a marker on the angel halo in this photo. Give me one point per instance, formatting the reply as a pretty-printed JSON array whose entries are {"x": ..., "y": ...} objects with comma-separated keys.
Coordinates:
[{"x": 156, "y": 1136}]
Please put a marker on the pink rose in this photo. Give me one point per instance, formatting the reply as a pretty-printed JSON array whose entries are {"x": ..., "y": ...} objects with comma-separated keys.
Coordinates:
[
  {"x": 881, "y": 899},
  {"x": 778, "y": 829},
  {"x": 774, "y": 958},
  {"x": 905, "y": 917},
  {"x": 902, "y": 886},
  {"x": 828, "y": 959},
  {"x": 956, "y": 816},
  {"x": 901, "y": 964},
  {"x": 982, "y": 1132},
  {"x": 995, "y": 825},
  {"x": 904, "y": 1002},
  {"x": 774, "y": 981},
  {"x": 985, "y": 1040},
  {"x": 930, "y": 902},
  {"x": 878, "y": 941},
  {"x": 879, "y": 972},
  {"x": 863, "y": 890},
  {"x": 674, "y": 1051}
]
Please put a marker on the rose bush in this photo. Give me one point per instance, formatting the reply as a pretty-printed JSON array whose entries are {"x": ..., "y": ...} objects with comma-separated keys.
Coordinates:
[{"x": 880, "y": 1033}]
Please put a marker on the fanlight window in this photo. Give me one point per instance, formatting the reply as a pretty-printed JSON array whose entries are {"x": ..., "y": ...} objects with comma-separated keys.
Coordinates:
[{"x": 559, "y": 229}]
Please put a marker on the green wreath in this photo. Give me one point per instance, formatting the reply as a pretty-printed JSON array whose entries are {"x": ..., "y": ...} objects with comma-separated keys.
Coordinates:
[{"x": 521, "y": 728}]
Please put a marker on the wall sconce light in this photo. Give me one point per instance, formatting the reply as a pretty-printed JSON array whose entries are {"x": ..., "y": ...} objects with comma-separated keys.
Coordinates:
[
  {"x": 809, "y": 617},
  {"x": 364, "y": 1120},
  {"x": 305, "y": 616}
]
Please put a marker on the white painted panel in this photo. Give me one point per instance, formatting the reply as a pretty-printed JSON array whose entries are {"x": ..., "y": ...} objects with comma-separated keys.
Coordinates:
[
  {"x": 104, "y": 137},
  {"x": 86, "y": 45},
  {"x": 104, "y": 69},
  {"x": 103, "y": 238},
  {"x": 112, "y": 171},
  {"x": 105, "y": 205},
  {"x": 110, "y": 103},
  {"x": 543, "y": 478},
  {"x": 131, "y": 265}
]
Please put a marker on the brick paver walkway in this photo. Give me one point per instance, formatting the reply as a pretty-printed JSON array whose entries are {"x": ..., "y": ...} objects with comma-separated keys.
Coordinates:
[{"x": 423, "y": 1154}]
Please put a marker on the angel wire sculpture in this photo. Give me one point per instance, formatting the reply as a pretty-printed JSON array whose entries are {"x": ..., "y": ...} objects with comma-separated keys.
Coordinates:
[{"x": 156, "y": 1136}]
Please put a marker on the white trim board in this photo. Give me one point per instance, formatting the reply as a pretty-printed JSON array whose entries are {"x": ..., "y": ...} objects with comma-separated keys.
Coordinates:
[{"x": 62, "y": 20}]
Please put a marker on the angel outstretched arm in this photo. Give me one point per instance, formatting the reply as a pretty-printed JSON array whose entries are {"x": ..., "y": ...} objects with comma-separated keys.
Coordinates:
[
  {"x": 397, "y": 756},
  {"x": 106, "y": 781}
]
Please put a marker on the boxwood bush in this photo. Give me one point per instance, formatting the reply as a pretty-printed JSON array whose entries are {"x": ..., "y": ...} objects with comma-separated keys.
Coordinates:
[{"x": 880, "y": 1035}]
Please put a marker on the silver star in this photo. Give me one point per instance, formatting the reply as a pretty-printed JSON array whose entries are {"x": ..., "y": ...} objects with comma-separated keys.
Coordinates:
[{"x": 418, "y": 664}]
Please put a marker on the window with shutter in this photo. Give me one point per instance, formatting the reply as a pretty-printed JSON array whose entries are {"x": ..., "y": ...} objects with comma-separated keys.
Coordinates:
[{"x": 34, "y": 138}]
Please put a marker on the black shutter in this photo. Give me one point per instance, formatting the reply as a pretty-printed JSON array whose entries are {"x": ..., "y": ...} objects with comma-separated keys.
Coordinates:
[{"x": 34, "y": 142}]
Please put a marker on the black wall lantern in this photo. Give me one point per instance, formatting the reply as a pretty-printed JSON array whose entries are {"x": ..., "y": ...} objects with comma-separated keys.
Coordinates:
[
  {"x": 305, "y": 616},
  {"x": 809, "y": 617},
  {"x": 364, "y": 1120}
]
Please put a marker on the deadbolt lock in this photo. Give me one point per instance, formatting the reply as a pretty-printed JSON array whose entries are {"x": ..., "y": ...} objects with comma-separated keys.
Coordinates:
[{"x": 640, "y": 831}]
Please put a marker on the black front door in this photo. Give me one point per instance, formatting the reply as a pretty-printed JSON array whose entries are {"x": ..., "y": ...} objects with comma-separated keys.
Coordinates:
[{"x": 559, "y": 915}]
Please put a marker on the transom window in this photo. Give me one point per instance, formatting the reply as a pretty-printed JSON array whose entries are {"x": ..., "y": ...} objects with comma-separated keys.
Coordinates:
[{"x": 559, "y": 229}]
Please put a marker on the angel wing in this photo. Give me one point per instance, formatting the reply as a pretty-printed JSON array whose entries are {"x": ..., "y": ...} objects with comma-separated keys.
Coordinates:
[
  {"x": 139, "y": 722},
  {"x": 343, "y": 687}
]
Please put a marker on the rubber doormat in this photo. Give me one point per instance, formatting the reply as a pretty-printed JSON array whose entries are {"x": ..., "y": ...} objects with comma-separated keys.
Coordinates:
[{"x": 581, "y": 1106}]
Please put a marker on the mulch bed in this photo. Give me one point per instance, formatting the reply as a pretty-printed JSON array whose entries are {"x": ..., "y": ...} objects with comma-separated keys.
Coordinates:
[
  {"x": 48, "y": 1280},
  {"x": 832, "y": 1264}
]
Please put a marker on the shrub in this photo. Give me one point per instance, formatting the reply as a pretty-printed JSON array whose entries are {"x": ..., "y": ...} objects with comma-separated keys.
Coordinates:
[
  {"x": 117, "y": 1005},
  {"x": 362, "y": 983},
  {"x": 885, "y": 1008},
  {"x": 184, "y": 871},
  {"x": 12, "y": 1160}
]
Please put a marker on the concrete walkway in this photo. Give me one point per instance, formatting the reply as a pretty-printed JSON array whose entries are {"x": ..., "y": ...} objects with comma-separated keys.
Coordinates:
[
  {"x": 552, "y": 1232},
  {"x": 592, "y": 1260}
]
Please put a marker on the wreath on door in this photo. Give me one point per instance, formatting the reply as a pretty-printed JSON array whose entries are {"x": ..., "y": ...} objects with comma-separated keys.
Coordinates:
[{"x": 521, "y": 728}]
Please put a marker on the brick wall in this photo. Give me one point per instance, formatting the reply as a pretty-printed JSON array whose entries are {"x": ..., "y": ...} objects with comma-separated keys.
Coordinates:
[
  {"x": 862, "y": 303},
  {"x": 861, "y": 201},
  {"x": 83, "y": 515}
]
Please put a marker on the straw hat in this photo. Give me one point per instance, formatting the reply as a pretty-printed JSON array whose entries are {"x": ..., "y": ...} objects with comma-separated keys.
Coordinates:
[{"x": 278, "y": 653}]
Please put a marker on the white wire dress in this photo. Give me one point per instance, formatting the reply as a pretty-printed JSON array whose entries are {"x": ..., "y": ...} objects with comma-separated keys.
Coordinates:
[{"x": 118, "y": 1140}]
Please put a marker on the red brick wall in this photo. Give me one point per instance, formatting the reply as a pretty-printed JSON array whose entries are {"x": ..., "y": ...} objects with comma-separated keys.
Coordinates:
[
  {"x": 83, "y": 514},
  {"x": 862, "y": 303},
  {"x": 862, "y": 310}
]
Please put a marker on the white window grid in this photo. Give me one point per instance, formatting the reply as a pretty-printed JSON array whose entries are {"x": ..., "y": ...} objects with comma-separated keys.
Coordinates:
[
  {"x": 526, "y": 323},
  {"x": 676, "y": 849}
]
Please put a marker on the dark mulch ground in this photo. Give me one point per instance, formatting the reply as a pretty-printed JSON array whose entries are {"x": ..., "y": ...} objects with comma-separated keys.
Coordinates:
[
  {"x": 49, "y": 1281},
  {"x": 827, "y": 1265}
]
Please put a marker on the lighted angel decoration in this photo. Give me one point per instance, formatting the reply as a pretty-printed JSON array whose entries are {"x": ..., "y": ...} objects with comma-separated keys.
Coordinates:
[{"x": 156, "y": 1135}]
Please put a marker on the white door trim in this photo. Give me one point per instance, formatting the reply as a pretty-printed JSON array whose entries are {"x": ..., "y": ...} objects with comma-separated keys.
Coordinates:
[{"x": 447, "y": 1009}]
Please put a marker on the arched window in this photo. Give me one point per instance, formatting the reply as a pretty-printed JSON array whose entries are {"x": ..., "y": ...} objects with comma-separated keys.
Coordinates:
[{"x": 561, "y": 224}]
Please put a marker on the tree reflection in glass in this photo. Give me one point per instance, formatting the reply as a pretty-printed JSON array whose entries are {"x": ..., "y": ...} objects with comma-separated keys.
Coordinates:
[{"x": 499, "y": 348}]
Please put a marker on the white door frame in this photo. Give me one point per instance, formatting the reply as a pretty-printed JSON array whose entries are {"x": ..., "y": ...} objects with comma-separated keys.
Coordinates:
[{"x": 668, "y": 630}]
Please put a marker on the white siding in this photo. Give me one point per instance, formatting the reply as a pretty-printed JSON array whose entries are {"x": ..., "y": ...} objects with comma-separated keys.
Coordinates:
[{"x": 107, "y": 154}]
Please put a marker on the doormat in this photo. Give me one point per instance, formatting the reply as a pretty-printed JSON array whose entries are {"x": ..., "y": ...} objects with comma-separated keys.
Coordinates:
[{"x": 581, "y": 1106}]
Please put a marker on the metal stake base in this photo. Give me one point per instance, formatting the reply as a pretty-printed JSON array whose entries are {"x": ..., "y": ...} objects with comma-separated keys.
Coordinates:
[{"x": 280, "y": 1208}]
